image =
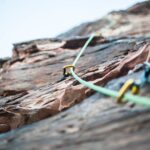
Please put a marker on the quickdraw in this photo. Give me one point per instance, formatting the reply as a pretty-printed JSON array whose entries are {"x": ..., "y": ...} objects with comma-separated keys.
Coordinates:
[
  {"x": 146, "y": 73},
  {"x": 145, "y": 101},
  {"x": 65, "y": 73},
  {"x": 129, "y": 84}
]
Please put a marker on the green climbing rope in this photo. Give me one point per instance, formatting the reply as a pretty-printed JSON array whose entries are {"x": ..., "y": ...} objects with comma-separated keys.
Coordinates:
[{"x": 145, "y": 101}]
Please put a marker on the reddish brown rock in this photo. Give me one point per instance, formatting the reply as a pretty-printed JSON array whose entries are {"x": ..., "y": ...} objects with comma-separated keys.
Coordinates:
[{"x": 32, "y": 89}]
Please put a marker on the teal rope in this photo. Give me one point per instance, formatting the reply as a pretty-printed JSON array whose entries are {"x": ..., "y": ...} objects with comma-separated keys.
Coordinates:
[
  {"x": 145, "y": 101},
  {"x": 83, "y": 49}
]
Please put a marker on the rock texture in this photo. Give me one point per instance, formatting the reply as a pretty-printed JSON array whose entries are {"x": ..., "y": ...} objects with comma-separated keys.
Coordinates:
[
  {"x": 133, "y": 21},
  {"x": 32, "y": 89}
]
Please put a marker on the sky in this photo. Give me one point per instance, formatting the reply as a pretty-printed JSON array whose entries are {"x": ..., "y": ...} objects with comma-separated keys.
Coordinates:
[{"x": 23, "y": 20}]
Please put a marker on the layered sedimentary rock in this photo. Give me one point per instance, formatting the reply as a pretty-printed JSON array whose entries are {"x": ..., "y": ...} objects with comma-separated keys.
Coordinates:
[{"x": 32, "y": 89}]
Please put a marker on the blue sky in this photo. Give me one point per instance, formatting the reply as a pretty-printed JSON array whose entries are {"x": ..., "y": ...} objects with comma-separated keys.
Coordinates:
[{"x": 23, "y": 20}]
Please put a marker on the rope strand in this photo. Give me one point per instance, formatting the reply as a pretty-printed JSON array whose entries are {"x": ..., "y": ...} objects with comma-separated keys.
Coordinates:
[{"x": 145, "y": 101}]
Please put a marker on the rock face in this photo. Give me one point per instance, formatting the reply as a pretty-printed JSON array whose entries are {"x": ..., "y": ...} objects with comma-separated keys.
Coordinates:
[
  {"x": 31, "y": 88},
  {"x": 131, "y": 22}
]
